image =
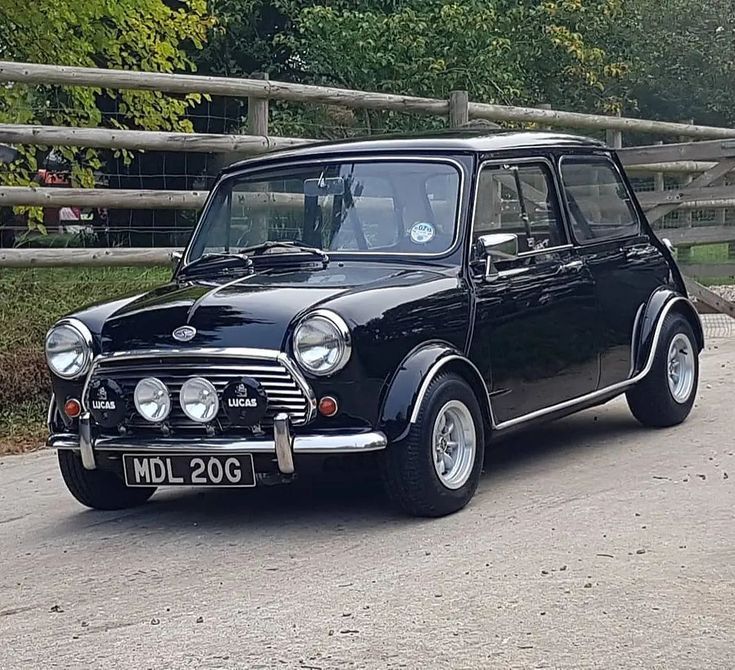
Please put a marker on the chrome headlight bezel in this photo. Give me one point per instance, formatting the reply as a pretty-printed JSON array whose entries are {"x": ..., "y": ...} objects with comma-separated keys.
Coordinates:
[
  {"x": 340, "y": 332},
  {"x": 84, "y": 337}
]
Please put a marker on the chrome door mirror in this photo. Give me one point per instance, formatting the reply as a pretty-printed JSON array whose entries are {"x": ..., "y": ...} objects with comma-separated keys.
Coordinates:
[
  {"x": 176, "y": 257},
  {"x": 496, "y": 247}
]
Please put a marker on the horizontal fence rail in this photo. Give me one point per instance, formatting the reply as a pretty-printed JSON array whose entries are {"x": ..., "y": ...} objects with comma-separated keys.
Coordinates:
[
  {"x": 32, "y": 73},
  {"x": 59, "y": 258},
  {"x": 55, "y": 197},
  {"x": 636, "y": 159},
  {"x": 143, "y": 140},
  {"x": 685, "y": 151},
  {"x": 13, "y": 196}
]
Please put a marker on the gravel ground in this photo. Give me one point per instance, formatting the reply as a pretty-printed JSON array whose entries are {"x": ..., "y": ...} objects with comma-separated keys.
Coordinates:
[
  {"x": 727, "y": 292},
  {"x": 591, "y": 544}
]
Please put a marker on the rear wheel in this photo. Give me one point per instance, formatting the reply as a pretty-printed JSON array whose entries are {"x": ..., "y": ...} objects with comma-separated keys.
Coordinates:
[
  {"x": 98, "y": 489},
  {"x": 435, "y": 469},
  {"x": 666, "y": 396}
]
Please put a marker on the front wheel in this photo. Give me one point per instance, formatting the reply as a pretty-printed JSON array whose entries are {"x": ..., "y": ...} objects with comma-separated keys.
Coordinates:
[
  {"x": 666, "y": 395},
  {"x": 98, "y": 489},
  {"x": 435, "y": 469}
]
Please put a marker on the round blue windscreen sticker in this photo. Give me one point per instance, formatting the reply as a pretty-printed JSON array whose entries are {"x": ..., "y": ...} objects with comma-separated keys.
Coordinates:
[{"x": 422, "y": 232}]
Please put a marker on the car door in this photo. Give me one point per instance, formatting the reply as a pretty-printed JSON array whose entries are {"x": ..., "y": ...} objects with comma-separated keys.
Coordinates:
[
  {"x": 534, "y": 330},
  {"x": 627, "y": 268}
]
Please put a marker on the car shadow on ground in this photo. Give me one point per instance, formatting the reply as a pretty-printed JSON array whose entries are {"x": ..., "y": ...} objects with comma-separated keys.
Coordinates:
[{"x": 353, "y": 499}]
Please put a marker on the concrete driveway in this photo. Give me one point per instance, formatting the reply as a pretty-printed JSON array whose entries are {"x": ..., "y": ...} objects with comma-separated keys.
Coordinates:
[{"x": 593, "y": 543}]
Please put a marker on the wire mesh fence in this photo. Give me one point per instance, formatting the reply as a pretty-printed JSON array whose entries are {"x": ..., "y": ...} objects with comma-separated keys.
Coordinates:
[{"x": 718, "y": 326}]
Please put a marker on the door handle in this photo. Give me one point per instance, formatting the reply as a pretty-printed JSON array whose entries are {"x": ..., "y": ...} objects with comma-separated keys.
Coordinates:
[
  {"x": 572, "y": 266},
  {"x": 512, "y": 272},
  {"x": 636, "y": 252}
]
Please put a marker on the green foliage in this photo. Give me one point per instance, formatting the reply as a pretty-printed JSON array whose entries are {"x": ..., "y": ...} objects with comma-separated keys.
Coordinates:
[
  {"x": 30, "y": 302},
  {"x": 682, "y": 58},
  {"x": 499, "y": 50},
  {"x": 506, "y": 51},
  {"x": 148, "y": 35}
]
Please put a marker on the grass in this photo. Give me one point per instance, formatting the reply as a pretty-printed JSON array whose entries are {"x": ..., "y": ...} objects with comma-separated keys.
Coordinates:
[
  {"x": 31, "y": 300},
  {"x": 709, "y": 253}
]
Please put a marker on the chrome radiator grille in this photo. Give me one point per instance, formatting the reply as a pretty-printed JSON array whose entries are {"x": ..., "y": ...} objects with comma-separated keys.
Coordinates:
[{"x": 286, "y": 392}]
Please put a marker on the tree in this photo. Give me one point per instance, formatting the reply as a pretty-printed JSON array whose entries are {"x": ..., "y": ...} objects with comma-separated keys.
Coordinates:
[
  {"x": 151, "y": 35},
  {"x": 507, "y": 51},
  {"x": 681, "y": 56}
]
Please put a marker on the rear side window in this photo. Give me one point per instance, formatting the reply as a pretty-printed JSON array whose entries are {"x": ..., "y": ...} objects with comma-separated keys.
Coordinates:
[{"x": 599, "y": 205}]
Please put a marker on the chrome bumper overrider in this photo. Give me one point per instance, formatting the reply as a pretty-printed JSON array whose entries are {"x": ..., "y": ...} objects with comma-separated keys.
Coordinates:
[{"x": 283, "y": 444}]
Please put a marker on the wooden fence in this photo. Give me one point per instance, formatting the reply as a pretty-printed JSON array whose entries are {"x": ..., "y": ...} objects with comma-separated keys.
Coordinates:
[{"x": 702, "y": 166}]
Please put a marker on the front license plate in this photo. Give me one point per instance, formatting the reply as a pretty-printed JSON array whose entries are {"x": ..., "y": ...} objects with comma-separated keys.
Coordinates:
[{"x": 186, "y": 470}]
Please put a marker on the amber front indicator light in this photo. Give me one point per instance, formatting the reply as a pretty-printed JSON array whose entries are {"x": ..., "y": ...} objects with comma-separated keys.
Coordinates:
[
  {"x": 72, "y": 408},
  {"x": 328, "y": 406}
]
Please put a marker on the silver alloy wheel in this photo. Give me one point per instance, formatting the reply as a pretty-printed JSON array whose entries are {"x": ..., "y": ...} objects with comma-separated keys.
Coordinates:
[
  {"x": 453, "y": 444},
  {"x": 680, "y": 367}
]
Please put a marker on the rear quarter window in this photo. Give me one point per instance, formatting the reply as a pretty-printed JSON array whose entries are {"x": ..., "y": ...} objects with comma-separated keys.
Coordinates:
[{"x": 599, "y": 204}]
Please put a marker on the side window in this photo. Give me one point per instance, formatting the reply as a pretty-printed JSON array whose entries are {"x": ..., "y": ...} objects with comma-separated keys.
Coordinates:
[
  {"x": 599, "y": 204},
  {"x": 519, "y": 199}
]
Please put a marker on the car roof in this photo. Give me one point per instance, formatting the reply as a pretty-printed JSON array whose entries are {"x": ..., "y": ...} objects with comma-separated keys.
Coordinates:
[{"x": 458, "y": 141}]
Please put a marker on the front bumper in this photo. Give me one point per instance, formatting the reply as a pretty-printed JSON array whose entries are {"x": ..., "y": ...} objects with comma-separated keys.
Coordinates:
[{"x": 283, "y": 445}]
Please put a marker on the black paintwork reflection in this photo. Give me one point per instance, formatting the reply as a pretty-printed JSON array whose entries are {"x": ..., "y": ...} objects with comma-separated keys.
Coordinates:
[
  {"x": 254, "y": 310},
  {"x": 626, "y": 274},
  {"x": 387, "y": 323},
  {"x": 390, "y": 308},
  {"x": 534, "y": 339}
]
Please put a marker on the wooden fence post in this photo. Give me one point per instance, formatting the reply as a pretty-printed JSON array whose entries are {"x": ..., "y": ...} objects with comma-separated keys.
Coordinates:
[
  {"x": 258, "y": 111},
  {"x": 614, "y": 138},
  {"x": 688, "y": 178},
  {"x": 459, "y": 112},
  {"x": 659, "y": 183},
  {"x": 546, "y": 106}
]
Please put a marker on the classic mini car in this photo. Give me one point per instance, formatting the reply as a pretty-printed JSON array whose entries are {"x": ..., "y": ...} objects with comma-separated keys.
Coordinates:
[{"x": 411, "y": 297}]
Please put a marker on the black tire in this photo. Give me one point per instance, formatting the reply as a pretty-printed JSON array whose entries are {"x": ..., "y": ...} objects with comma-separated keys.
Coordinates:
[
  {"x": 651, "y": 400},
  {"x": 409, "y": 475},
  {"x": 99, "y": 489}
]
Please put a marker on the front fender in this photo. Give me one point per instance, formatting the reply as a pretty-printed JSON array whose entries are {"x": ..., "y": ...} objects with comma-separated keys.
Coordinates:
[
  {"x": 661, "y": 302},
  {"x": 407, "y": 387},
  {"x": 404, "y": 387}
]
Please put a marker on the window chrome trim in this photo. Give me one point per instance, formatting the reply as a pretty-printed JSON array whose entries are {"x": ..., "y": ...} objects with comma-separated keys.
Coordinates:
[
  {"x": 336, "y": 158},
  {"x": 554, "y": 182},
  {"x": 635, "y": 206},
  {"x": 214, "y": 352},
  {"x": 572, "y": 402}
]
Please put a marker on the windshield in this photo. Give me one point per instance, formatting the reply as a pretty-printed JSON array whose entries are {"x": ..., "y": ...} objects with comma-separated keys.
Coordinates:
[{"x": 381, "y": 207}]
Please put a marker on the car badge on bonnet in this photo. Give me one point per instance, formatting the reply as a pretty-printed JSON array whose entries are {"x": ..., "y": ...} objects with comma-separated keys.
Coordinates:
[{"x": 184, "y": 333}]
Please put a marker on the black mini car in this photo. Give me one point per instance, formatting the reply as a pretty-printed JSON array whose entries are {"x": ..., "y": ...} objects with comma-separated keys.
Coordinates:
[{"x": 415, "y": 298}]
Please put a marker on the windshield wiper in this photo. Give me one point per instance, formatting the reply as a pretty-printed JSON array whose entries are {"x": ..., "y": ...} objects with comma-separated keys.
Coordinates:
[
  {"x": 260, "y": 249},
  {"x": 219, "y": 257}
]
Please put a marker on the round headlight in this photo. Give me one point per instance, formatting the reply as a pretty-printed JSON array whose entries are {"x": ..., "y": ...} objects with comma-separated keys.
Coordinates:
[
  {"x": 69, "y": 349},
  {"x": 199, "y": 400},
  {"x": 321, "y": 343},
  {"x": 152, "y": 399}
]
